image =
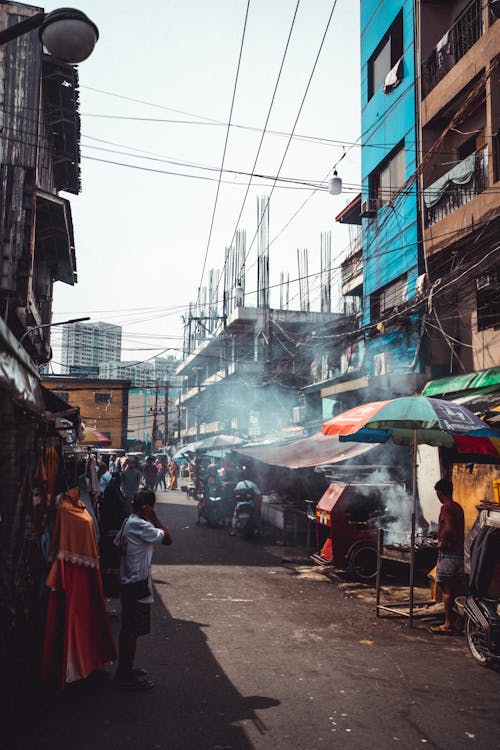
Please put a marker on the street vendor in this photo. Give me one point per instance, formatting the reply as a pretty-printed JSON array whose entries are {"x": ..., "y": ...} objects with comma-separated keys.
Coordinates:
[{"x": 450, "y": 565}]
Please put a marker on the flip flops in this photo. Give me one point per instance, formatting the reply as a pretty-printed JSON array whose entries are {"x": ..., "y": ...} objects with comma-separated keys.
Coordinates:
[{"x": 441, "y": 630}]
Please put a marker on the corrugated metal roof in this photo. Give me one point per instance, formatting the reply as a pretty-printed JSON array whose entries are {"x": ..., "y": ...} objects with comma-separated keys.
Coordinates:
[{"x": 458, "y": 383}]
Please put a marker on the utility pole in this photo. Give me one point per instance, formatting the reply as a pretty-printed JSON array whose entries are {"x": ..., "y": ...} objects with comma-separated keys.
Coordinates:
[
  {"x": 155, "y": 412},
  {"x": 166, "y": 412}
]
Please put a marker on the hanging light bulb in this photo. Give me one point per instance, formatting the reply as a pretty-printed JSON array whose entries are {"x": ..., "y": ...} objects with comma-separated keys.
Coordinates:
[{"x": 335, "y": 184}]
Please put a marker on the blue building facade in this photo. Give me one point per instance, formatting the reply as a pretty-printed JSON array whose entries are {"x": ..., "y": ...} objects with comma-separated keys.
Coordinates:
[{"x": 389, "y": 203}]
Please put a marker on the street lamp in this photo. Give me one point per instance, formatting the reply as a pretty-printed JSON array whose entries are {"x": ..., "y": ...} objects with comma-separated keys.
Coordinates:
[
  {"x": 67, "y": 33},
  {"x": 50, "y": 325}
]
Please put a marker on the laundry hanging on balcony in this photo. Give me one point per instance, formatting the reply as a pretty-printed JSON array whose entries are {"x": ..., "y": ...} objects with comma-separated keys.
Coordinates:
[
  {"x": 443, "y": 48},
  {"x": 394, "y": 76},
  {"x": 461, "y": 174}
]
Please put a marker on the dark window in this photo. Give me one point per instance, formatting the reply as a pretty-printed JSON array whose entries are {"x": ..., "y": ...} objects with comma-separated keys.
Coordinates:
[
  {"x": 475, "y": 143},
  {"x": 63, "y": 396},
  {"x": 386, "y": 300},
  {"x": 103, "y": 398},
  {"x": 467, "y": 148},
  {"x": 389, "y": 177},
  {"x": 487, "y": 296},
  {"x": 385, "y": 57},
  {"x": 496, "y": 155}
]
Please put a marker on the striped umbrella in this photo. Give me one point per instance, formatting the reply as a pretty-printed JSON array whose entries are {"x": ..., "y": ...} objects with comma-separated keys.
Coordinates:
[{"x": 413, "y": 420}]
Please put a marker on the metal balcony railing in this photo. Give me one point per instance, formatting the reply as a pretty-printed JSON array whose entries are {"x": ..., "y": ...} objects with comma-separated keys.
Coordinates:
[
  {"x": 453, "y": 45},
  {"x": 457, "y": 187}
]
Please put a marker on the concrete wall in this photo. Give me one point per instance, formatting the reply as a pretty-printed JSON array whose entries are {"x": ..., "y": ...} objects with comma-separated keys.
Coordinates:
[{"x": 106, "y": 417}]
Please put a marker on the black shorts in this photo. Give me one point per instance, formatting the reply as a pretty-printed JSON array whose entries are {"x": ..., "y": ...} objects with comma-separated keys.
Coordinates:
[{"x": 136, "y": 617}]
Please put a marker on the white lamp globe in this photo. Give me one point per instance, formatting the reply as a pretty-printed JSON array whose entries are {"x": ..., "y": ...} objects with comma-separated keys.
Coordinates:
[{"x": 335, "y": 184}]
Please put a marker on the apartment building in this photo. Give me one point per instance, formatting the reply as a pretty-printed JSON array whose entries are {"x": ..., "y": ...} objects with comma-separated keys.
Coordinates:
[
  {"x": 381, "y": 356},
  {"x": 86, "y": 345},
  {"x": 141, "y": 374},
  {"x": 247, "y": 376},
  {"x": 460, "y": 182}
]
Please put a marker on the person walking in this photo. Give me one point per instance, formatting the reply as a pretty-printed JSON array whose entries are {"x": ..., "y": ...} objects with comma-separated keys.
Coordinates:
[
  {"x": 92, "y": 478},
  {"x": 173, "y": 470},
  {"x": 150, "y": 474},
  {"x": 450, "y": 565},
  {"x": 161, "y": 474},
  {"x": 111, "y": 517},
  {"x": 139, "y": 532},
  {"x": 130, "y": 479}
]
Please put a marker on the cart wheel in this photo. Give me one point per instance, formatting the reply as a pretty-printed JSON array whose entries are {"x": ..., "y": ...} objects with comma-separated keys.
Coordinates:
[{"x": 363, "y": 562}]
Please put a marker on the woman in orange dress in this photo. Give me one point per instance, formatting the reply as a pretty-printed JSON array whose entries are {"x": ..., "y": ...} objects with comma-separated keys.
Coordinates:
[{"x": 173, "y": 470}]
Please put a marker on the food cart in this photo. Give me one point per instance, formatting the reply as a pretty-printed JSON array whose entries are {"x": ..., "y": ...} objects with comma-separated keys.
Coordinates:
[{"x": 347, "y": 521}]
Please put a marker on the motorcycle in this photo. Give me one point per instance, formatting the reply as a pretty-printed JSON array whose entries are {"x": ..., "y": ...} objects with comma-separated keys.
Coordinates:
[
  {"x": 211, "y": 509},
  {"x": 482, "y": 604},
  {"x": 245, "y": 515},
  {"x": 482, "y": 629}
]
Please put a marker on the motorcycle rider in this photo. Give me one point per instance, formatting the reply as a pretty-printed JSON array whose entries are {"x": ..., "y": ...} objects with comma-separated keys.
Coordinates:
[
  {"x": 247, "y": 496},
  {"x": 212, "y": 487}
]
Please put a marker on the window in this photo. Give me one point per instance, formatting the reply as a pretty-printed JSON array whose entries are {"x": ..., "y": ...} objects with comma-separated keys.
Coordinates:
[
  {"x": 384, "y": 302},
  {"x": 103, "y": 398},
  {"x": 487, "y": 294},
  {"x": 471, "y": 145},
  {"x": 63, "y": 396},
  {"x": 389, "y": 177},
  {"x": 385, "y": 57}
]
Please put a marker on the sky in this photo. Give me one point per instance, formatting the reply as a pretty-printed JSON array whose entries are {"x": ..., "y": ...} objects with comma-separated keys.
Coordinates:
[{"x": 156, "y": 97}]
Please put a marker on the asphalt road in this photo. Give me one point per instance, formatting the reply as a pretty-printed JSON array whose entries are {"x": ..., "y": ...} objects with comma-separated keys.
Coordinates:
[{"x": 247, "y": 654}]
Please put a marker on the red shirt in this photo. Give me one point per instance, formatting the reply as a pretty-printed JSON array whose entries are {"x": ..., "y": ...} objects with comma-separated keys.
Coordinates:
[{"x": 451, "y": 527}]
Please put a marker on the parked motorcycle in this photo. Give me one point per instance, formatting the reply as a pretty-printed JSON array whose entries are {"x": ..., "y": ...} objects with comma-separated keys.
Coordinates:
[
  {"x": 482, "y": 629},
  {"x": 482, "y": 604}
]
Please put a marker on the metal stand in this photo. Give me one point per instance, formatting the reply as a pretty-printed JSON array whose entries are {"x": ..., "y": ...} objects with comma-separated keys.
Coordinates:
[{"x": 405, "y": 608}]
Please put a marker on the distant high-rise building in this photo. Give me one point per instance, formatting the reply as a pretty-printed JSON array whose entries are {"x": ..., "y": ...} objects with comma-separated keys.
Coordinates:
[
  {"x": 141, "y": 374},
  {"x": 86, "y": 345}
]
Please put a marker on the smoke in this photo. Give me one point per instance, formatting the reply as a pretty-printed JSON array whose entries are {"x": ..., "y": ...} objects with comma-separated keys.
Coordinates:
[{"x": 396, "y": 506}]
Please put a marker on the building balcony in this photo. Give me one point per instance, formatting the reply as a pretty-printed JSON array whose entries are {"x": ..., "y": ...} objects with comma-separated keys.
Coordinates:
[
  {"x": 457, "y": 187},
  {"x": 453, "y": 45},
  {"x": 351, "y": 271}
]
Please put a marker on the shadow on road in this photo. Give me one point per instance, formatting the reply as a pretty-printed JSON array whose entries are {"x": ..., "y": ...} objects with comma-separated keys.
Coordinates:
[{"x": 193, "y": 705}]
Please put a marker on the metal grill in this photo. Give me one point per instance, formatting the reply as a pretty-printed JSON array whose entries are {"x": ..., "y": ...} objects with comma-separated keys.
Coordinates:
[{"x": 464, "y": 33}]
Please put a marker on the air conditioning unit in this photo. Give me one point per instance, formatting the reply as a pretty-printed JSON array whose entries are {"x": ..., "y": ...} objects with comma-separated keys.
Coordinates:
[
  {"x": 298, "y": 414},
  {"x": 382, "y": 363},
  {"x": 369, "y": 207}
]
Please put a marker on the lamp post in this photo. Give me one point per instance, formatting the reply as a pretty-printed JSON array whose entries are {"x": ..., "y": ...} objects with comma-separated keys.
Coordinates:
[
  {"x": 50, "y": 325},
  {"x": 67, "y": 33}
]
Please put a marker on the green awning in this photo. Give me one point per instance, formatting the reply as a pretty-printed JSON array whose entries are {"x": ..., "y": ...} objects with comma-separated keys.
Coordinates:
[{"x": 473, "y": 381}]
